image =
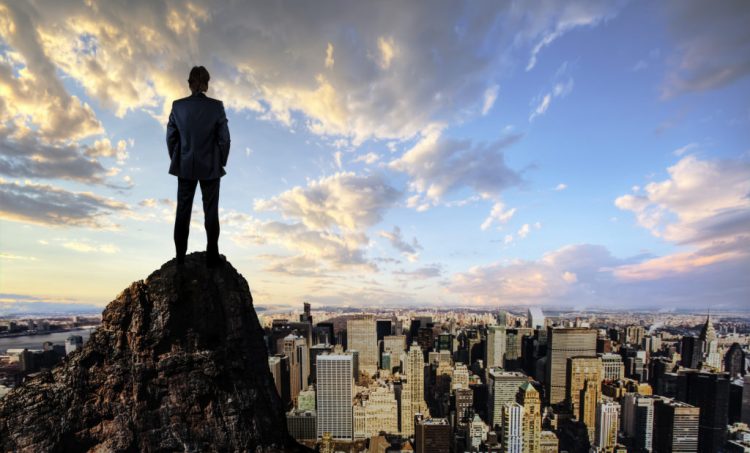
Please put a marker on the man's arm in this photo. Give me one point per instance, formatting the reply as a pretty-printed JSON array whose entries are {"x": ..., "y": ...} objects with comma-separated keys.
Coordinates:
[
  {"x": 222, "y": 136},
  {"x": 173, "y": 135}
]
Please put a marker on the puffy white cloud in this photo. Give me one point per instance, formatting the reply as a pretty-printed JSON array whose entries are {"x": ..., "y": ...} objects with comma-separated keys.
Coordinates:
[
  {"x": 498, "y": 214},
  {"x": 440, "y": 165},
  {"x": 713, "y": 43},
  {"x": 344, "y": 200},
  {"x": 490, "y": 96},
  {"x": 561, "y": 186}
]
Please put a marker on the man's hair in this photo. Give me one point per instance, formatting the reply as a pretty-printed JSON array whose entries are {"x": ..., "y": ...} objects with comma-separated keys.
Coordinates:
[{"x": 198, "y": 79}]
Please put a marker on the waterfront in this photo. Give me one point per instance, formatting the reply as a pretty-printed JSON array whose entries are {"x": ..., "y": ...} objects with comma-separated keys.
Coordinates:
[{"x": 35, "y": 341}]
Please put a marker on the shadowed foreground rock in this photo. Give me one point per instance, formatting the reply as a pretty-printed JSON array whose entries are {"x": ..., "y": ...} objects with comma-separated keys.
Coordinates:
[{"x": 178, "y": 364}]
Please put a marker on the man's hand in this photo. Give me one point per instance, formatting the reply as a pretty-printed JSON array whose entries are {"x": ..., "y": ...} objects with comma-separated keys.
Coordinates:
[{"x": 173, "y": 137}]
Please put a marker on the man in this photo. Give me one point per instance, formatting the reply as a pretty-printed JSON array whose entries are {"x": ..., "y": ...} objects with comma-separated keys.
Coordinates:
[{"x": 198, "y": 144}]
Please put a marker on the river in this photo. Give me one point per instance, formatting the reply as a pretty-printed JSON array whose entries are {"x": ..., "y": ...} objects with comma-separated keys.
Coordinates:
[{"x": 35, "y": 341}]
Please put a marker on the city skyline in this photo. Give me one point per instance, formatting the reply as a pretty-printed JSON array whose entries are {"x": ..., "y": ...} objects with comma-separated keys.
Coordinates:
[{"x": 419, "y": 154}]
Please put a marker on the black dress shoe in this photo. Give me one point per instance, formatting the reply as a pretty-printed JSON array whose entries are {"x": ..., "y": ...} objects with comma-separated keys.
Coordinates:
[{"x": 214, "y": 261}]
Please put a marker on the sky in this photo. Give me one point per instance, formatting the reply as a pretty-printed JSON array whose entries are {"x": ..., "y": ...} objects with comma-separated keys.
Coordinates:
[{"x": 422, "y": 153}]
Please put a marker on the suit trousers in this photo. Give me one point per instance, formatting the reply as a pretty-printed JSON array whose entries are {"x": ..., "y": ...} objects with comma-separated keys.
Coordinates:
[{"x": 185, "y": 194}]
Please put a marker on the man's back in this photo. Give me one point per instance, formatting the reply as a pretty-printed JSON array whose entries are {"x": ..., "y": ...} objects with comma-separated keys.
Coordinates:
[{"x": 198, "y": 138}]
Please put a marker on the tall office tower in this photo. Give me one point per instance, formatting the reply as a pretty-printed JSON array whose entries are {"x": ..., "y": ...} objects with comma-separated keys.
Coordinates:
[
  {"x": 496, "y": 342},
  {"x": 607, "y": 425},
  {"x": 675, "y": 426},
  {"x": 502, "y": 318},
  {"x": 562, "y": 344},
  {"x": 381, "y": 412},
  {"x": 315, "y": 351},
  {"x": 734, "y": 361},
  {"x": 612, "y": 366},
  {"x": 528, "y": 397},
  {"x": 651, "y": 343},
  {"x": 513, "y": 346},
  {"x": 335, "y": 391},
  {"x": 548, "y": 442},
  {"x": 581, "y": 370},
  {"x": 634, "y": 335},
  {"x": 460, "y": 376},
  {"x": 476, "y": 433},
  {"x": 386, "y": 361},
  {"x": 464, "y": 404},
  {"x": 433, "y": 435},
  {"x": 711, "y": 355},
  {"x": 710, "y": 393},
  {"x": 355, "y": 362},
  {"x": 295, "y": 348},
  {"x": 445, "y": 342},
  {"x": 591, "y": 396},
  {"x": 306, "y": 316},
  {"x": 690, "y": 352},
  {"x": 279, "y": 366},
  {"x": 512, "y": 428},
  {"x": 426, "y": 339},
  {"x": 638, "y": 420},
  {"x": 412, "y": 395},
  {"x": 383, "y": 328},
  {"x": 325, "y": 333},
  {"x": 396, "y": 344},
  {"x": 502, "y": 387},
  {"x": 362, "y": 336},
  {"x": 536, "y": 318}
]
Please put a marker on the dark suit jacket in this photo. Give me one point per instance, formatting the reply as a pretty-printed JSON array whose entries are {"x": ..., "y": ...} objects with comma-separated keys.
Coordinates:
[{"x": 198, "y": 138}]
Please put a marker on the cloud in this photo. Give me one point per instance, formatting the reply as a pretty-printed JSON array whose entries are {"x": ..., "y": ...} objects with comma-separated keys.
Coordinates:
[
  {"x": 90, "y": 247},
  {"x": 422, "y": 273},
  {"x": 498, "y": 214},
  {"x": 559, "y": 90},
  {"x": 713, "y": 42},
  {"x": 53, "y": 206},
  {"x": 438, "y": 166},
  {"x": 561, "y": 186},
  {"x": 410, "y": 250},
  {"x": 366, "y": 85},
  {"x": 369, "y": 158},
  {"x": 703, "y": 206},
  {"x": 344, "y": 200},
  {"x": 524, "y": 231},
  {"x": 490, "y": 96}
]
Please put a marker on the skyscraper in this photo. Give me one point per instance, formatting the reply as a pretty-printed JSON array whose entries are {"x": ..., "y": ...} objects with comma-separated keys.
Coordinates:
[
  {"x": 690, "y": 351},
  {"x": 335, "y": 393},
  {"x": 607, "y": 425},
  {"x": 433, "y": 435},
  {"x": 412, "y": 395},
  {"x": 536, "y": 318},
  {"x": 638, "y": 420},
  {"x": 396, "y": 344},
  {"x": 512, "y": 428},
  {"x": 734, "y": 361},
  {"x": 612, "y": 366},
  {"x": 362, "y": 336},
  {"x": 579, "y": 371},
  {"x": 463, "y": 404},
  {"x": 675, "y": 426},
  {"x": 711, "y": 355},
  {"x": 295, "y": 347},
  {"x": 496, "y": 343},
  {"x": 503, "y": 386},
  {"x": 528, "y": 397},
  {"x": 564, "y": 343}
]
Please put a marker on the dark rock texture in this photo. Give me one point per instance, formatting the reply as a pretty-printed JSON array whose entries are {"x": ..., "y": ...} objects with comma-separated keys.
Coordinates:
[{"x": 178, "y": 364}]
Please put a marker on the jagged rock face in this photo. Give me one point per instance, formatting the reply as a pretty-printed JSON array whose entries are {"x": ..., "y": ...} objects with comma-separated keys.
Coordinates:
[{"x": 178, "y": 364}]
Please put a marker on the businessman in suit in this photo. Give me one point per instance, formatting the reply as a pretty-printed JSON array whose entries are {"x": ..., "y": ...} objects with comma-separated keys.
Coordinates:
[{"x": 198, "y": 144}]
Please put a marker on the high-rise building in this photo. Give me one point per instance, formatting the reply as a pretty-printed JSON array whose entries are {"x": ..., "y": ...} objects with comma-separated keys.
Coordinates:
[
  {"x": 503, "y": 386},
  {"x": 583, "y": 390},
  {"x": 463, "y": 398},
  {"x": 634, "y": 335},
  {"x": 734, "y": 361},
  {"x": 675, "y": 426},
  {"x": 396, "y": 345},
  {"x": 325, "y": 333},
  {"x": 607, "y": 425},
  {"x": 548, "y": 442},
  {"x": 306, "y": 400},
  {"x": 383, "y": 328},
  {"x": 690, "y": 351},
  {"x": 711, "y": 356},
  {"x": 612, "y": 366},
  {"x": 638, "y": 420},
  {"x": 496, "y": 343},
  {"x": 362, "y": 336},
  {"x": 710, "y": 393},
  {"x": 73, "y": 343},
  {"x": 460, "y": 376},
  {"x": 536, "y": 318},
  {"x": 306, "y": 315},
  {"x": 513, "y": 346},
  {"x": 279, "y": 366},
  {"x": 512, "y": 428},
  {"x": 432, "y": 435},
  {"x": 562, "y": 344},
  {"x": 528, "y": 397},
  {"x": 295, "y": 347},
  {"x": 745, "y": 409},
  {"x": 381, "y": 412},
  {"x": 335, "y": 388},
  {"x": 476, "y": 433},
  {"x": 302, "y": 424},
  {"x": 412, "y": 394}
]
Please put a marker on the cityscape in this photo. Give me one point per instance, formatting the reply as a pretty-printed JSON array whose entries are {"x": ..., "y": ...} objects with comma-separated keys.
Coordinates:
[{"x": 488, "y": 381}]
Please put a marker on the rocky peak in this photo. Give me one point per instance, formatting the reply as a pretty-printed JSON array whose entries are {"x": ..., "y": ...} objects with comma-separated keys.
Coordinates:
[{"x": 178, "y": 364}]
